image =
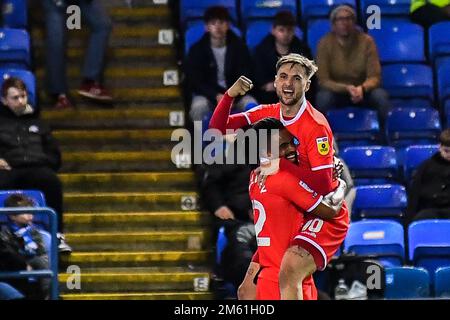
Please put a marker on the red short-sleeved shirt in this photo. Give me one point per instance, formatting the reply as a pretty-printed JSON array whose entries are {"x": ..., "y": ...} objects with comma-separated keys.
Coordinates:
[
  {"x": 278, "y": 215},
  {"x": 313, "y": 133}
]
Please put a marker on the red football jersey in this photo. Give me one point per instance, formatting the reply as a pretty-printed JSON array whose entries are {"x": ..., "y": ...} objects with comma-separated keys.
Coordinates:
[
  {"x": 309, "y": 126},
  {"x": 278, "y": 208}
]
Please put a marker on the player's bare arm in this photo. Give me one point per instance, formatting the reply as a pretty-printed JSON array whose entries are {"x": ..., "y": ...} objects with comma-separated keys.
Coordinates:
[{"x": 247, "y": 289}]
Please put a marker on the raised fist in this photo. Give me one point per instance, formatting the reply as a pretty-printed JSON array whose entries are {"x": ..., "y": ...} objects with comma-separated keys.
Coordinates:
[{"x": 240, "y": 87}]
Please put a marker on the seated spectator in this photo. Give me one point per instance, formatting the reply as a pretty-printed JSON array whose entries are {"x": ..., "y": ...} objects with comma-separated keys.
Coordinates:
[
  {"x": 29, "y": 155},
  {"x": 22, "y": 248},
  {"x": 98, "y": 21},
  {"x": 224, "y": 193},
  {"x": 281, "y": 41},
  {"x": 214, "y": 63},
  {"x": 427, "y": 13},
  {"x": 429, "y": 192},
  {"x": 349, "y": 68}
]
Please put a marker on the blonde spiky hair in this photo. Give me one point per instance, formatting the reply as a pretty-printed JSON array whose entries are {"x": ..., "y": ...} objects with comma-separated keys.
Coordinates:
[{"x": 309, "y": 65}]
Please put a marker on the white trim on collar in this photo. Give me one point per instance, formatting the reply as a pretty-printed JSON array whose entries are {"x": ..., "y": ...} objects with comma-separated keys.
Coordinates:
[{"x": 297, "y": 116}]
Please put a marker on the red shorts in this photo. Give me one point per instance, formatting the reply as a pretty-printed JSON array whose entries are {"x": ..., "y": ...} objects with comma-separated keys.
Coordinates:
[
  {"x": 322, "y": 238},
  {"x": 269, "y": 290}
]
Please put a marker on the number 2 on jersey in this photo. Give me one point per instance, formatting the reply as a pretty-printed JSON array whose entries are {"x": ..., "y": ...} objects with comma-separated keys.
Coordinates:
[{"x": 259, "y": 225}]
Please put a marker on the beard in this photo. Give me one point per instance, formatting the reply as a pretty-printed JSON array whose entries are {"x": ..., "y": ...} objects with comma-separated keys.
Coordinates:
[{"x": 291, "y": 101}]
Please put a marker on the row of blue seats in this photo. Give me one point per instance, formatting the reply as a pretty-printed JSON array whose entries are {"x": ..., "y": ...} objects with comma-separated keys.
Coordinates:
[
  {"x": 428, "y": 242},
  {"x": 401, "y": 48},
  {"x": 415, "y": 283},
  {"x": 404, "y": 126},
  {"x": 246, "y": 10},
  {"x": 398, "y": 41},
  {"x": 385, "y": 164}
]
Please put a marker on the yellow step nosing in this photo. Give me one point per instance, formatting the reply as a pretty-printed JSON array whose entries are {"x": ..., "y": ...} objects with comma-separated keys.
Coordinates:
[
  {"x": 116, "y": 156},
  {"x": 113, "y": 134},
  {"x": 139, "y": 12},
  {"x": 136, "y": 277},
  {"x": 111, "y": 257},
  {"x": 130, "y": 194},
  {"x": 151, "y": 52},
  {"x": 119, "y": 31},
  {"x": 129, "y": 175},
  {"x": 126, "y": 237},
  {"x": 117, "y": 72},
  {"x": 88, "y": 218},
  {"x": 142, "y": 295},
  {"x": 108, "y": 114}
]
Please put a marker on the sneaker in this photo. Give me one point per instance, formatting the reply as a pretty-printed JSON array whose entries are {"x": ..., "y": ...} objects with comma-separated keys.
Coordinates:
[
  {"x": 62, "y": 102},
  {"x": 95, "y": 91},
  {"x": 63, "y": 247}
]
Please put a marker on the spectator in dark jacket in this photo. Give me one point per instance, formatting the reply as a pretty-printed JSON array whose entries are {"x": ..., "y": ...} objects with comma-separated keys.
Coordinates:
[
  {"x": 29, "y": 155},
  {"x": 214, "y": 63},
  {"x": 22, "y": 248},
  {"x": 281, "y": 41},
  {"x": 429, "y": 193},
  {"x": 224, "y": 192}
]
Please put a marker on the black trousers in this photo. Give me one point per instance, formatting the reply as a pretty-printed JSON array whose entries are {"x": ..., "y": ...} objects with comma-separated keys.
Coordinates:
[
  {"x": 38, "y": 178},
  {"x": 432, "y": 213}
]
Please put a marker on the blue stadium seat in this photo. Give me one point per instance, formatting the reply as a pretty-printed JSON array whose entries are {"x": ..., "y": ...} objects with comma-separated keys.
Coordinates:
[
  {"x": 399, "y": 41},
  {"x": 251, "y": 9},
  {"x": 407, "y": 283},
  {"x": 27, "y": 77},
  {"x": 316, "y": 30},
  {"x": 429, "y": 244},
  {"x": 414, "y": 156},
  {"x": 439, "y": 40},
  {"x": 195, "y": 31},
  {"x": 371, "y": 164},
  {"x": 381, "y": 238},
  {"x": 257, "y": 30},
  {"x": 407, "y": 81},
  {"x": 407, "y": 126},
  {"x": 14, "y": 48},
  {"x": 411, "y": 103},
  {"x": 221, "y": 244},
  {"x": 38, "y": 198},
  {"x": 15, "y": 13},
  {"x": 443, "y": 80},
  {"x": 313, "y": 9},
  {"x": 442, "y": 282},
  {"x": 379, "y": 201},
  {"x": 191, "y": 10},
  {"x": 388, "y": 8},
  {"x": 354, "y": 126}
]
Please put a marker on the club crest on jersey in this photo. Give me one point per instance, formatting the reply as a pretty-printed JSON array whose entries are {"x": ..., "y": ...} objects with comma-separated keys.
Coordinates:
[{"x": 323, "y": 146}]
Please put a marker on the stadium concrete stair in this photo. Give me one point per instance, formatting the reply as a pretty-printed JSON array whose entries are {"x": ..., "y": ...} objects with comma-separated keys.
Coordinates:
[{"x": 132, "y": 234}]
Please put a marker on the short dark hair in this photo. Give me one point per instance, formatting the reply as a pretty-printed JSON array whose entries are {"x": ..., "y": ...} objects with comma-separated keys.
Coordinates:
[
  {"x": 18, "y": 200},
  {"x": 268, "y": 124},
  {"x": 284, "y": 18},
  {"x": 12, "y": 82},
  {"x": 444, "y": 138},
  {"x": 271, "y": 125},
  {"x": 216, "y": 12}
]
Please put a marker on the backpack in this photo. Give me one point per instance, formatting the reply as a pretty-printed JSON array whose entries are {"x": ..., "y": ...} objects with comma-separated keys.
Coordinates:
[{"x": 354, "y": 277}]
